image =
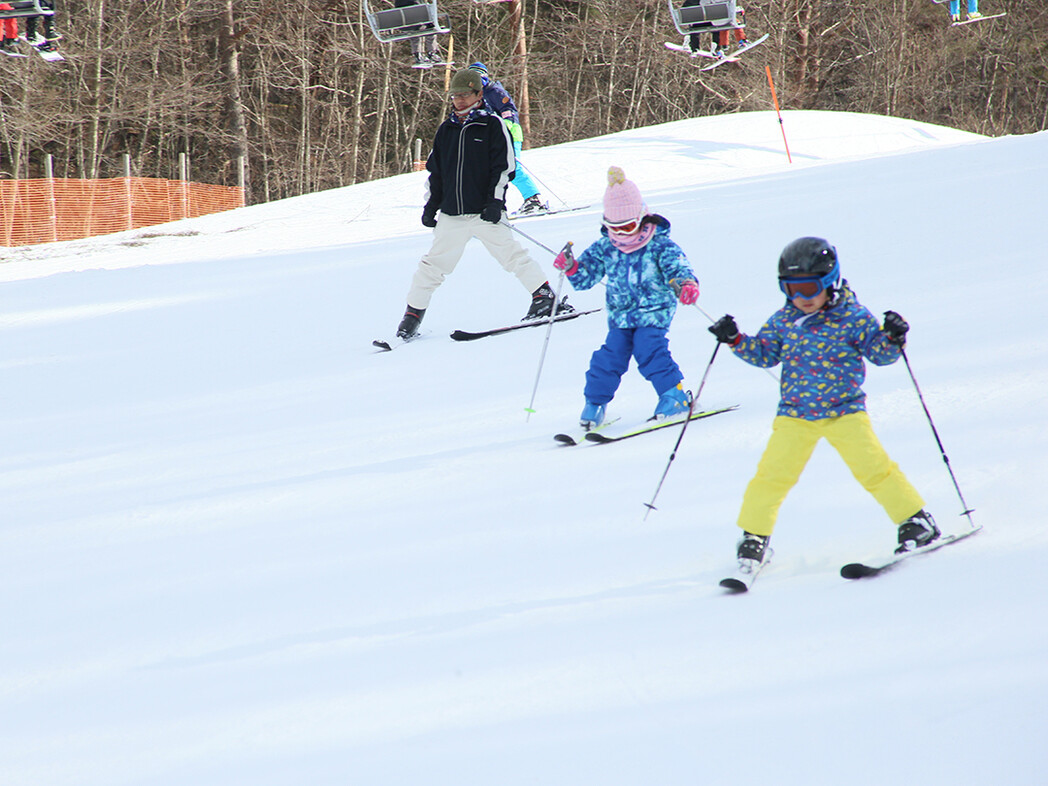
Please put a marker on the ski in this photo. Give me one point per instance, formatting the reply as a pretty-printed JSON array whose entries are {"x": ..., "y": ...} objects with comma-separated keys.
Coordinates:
[
  {"x": 426, "y": 65},
  {"x": 977, "y": 19},
  {"x": 384, "y": 345},
  {"x": 861, "y": 570},
  {"x": 745, "y": 574},
  {"x": 548, "y": 212},
  {"x": 463, "y": 335},
  {"x": 734, "y": 56},
  {"x": 48, "y": 50},
  {"x": 579, "y": 435},
  {"x": 687, "y": 50},
  {"x": 653, "y": 425}
]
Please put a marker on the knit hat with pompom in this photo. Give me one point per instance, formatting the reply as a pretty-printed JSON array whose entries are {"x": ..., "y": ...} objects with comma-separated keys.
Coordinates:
[{"x": 622, "y": 200}]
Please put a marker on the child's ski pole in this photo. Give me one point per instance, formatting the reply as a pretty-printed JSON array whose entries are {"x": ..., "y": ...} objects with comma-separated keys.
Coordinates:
[
  {"x": 967, "y": 511},
  {"x": 691, "y": 409}
]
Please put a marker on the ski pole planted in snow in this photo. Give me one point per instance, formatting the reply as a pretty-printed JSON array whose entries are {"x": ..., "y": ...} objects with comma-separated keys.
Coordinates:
[
  {"x": 967, "y": 511},
  {"x": 549, "y": 329},
  {"x": 691, "y": 410}
]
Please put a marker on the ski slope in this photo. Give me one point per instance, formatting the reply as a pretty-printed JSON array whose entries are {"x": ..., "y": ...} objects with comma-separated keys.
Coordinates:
[{"x": 239, "y": 547}]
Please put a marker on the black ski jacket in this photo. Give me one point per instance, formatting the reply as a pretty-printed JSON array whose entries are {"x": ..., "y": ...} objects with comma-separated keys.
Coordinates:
[{"x": 470, "y": 165}]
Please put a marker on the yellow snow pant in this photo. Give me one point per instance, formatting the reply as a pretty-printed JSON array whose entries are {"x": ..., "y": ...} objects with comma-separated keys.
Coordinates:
[{"x": 791, "y": 444}]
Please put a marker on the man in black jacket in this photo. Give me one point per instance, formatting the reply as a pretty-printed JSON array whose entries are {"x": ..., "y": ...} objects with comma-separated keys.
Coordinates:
[{"x": 470, "y": 168}]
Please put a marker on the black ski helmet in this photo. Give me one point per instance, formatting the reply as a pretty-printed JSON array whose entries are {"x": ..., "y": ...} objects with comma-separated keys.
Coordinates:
[{"x": 808, "y": 256}]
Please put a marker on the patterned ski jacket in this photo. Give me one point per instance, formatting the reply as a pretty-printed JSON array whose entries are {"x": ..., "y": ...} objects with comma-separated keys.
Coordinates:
[
  {"x": 822, "y": 356},
  {"x": 471, "y": 163},
  {"x": 639, "y": 292}
]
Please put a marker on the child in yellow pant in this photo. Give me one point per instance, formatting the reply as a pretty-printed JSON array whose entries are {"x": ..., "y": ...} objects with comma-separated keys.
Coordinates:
[{"x": 822, "y": 337}]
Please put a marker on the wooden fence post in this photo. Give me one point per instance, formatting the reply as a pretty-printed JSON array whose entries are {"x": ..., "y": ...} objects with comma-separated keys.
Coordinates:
[
  {"x": 52, "y": 205},
  {"x": 130, "y": 210}
]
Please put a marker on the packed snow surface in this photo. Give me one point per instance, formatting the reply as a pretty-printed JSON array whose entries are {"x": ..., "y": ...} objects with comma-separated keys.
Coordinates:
[{"x": 240, "y": 547}]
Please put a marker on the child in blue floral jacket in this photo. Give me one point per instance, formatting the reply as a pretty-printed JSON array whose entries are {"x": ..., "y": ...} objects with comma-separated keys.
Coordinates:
[
  {"x": 822, "y": 336},
  {"x": 647, "y": 273}
]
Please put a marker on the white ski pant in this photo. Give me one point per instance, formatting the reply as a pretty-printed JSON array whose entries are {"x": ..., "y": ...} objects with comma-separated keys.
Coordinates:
[{"x": 449, "y": 241}]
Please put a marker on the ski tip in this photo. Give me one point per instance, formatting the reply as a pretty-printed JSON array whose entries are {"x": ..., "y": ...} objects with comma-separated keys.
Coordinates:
[
  {"x": 382, "y": 345},
  {"x": 734, "y": 585},
  {"x": 856, "y": 570},
  {"x": 565, "y": 439}
]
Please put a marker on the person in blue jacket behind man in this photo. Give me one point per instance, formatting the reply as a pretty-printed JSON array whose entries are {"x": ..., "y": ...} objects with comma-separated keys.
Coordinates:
[{"x": 499, "y": 101}]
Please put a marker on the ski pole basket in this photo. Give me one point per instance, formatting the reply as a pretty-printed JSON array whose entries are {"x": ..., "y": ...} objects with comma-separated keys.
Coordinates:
[
  {"x": 703, "y": 16},
  {"x": 411, "y": 21},
  {"x": 23, "y": 8}
]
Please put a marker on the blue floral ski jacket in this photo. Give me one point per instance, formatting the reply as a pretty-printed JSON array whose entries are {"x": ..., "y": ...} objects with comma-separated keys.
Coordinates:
[
  {"x": 639, "y": 293},
  {"x": 821, "y": 355}
]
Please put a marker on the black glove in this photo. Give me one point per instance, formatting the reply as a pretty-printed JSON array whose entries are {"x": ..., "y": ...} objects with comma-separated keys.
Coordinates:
[
  {"x": 429, "y": 216},
  {"x": 725, "y": 329},
  {"x": 895, "y": 327},
  {"x": 492, "y": 212}
]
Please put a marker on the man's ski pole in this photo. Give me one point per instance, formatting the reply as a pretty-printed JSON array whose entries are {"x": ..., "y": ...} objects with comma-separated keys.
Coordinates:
[
  {"x": 691, "y": 409},
  {"x": 529, "y": 237},
  {"x": 549, "y": 329},
  {"x": 546, "y": 188},
  {"x": 967, "y": 511}
]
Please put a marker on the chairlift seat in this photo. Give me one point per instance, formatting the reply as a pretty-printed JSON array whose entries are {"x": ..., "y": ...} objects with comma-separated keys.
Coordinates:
[
  {"x": 708, "y": 15},
  {"x": 24, "y": 8},
  {"x": 413, "y": 21}
]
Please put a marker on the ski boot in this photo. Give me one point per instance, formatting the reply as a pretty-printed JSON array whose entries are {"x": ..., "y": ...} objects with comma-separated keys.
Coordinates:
[
  {"x": 917, "y": 531},
  {"x": 542, "y": 301},
  {"x": 674, "y": 401},
  {"x": 974, "y": 15},
  {"x": 533, "y": 204},
  {"x": 741, "y": 44},
  {"x": 955, "y": 17},
  {"x": 592, "y": 415},
  {"x": 752, "y": 551},
  {"x": 409, "y": 324},
  {"x": 421, "y": 61}
]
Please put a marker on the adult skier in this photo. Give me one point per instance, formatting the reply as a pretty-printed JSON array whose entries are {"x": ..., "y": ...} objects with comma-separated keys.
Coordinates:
[
  {"x": 499, "y": 101},
  {"x": 821, "y": 336},
  {"x": 470, "y": 167}
]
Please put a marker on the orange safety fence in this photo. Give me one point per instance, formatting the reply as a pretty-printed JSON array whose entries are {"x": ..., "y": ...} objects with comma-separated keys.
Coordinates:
[{"x": 46, "y": 210}]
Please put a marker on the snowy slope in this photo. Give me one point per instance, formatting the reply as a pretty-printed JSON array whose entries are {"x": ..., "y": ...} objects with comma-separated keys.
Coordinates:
[{"x": 239, "y": 547}]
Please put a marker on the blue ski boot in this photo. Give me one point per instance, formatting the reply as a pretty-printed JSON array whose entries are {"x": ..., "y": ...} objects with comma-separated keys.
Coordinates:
[
  {"x": 592, "y": 415},
  {"x": 674, "y": 401}
]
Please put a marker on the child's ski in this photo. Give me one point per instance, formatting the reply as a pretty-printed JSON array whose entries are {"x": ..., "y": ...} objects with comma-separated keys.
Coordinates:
[
  {"x": 579, "y": 435},
  {"x": 746, "y": 573},
  {"x": 654, "y": 425},
  {"x": 861, "y": 570}
]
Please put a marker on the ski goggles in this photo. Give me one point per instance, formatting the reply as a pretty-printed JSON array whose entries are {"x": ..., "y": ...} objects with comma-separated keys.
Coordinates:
[
  {"x": 627, "y": 227},
  {"x": 809, "y": 287}
]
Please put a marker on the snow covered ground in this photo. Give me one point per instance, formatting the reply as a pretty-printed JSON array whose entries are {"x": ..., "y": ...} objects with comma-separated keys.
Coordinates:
[{"x": 239, "y": 547}]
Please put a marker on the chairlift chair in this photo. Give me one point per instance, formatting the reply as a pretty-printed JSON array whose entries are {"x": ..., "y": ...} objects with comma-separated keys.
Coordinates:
[
  {"x": 413, "y": 21},
  {"x": 24, "y": 8},
  {"x": 704, "y": 17}
]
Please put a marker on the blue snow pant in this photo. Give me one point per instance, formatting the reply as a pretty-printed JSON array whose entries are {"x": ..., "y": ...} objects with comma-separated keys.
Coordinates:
[
  {"x": 522, "y": 180},
  {"x": 955, "y": 7},
  {"x": 648, "y": 345}
]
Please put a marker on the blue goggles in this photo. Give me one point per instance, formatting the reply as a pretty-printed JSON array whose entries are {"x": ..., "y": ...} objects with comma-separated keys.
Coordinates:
[{"x": 808, "y": 287}]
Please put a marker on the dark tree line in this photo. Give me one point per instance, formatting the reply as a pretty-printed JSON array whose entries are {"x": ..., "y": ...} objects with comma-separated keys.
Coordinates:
[{"x": 311, "y": 100}]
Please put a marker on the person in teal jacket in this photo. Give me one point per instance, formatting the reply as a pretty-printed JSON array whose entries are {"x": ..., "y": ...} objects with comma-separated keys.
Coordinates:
[
  {"x": 822, "y": 337},
  {"x": 647, "y": 273}
]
